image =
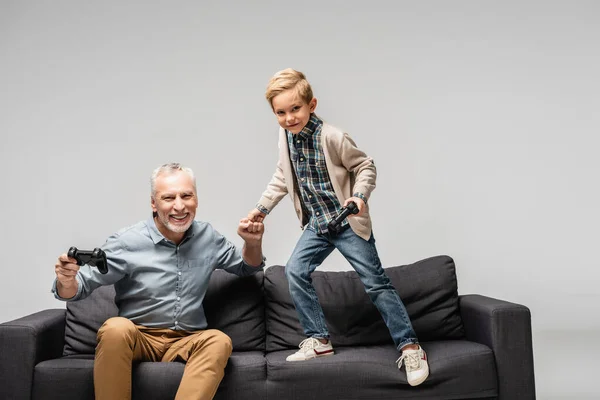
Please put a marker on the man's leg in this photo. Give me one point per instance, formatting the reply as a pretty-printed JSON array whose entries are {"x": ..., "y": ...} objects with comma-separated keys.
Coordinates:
[
  {"x": 309, "y": 253},
  {"x": 120, "y": 342},
  {"x": 206, "y": 354}
]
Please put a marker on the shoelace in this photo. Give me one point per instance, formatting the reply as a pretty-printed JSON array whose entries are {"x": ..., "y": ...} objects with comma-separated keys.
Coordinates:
[
  {"x": 309, "y": 344},
  {"x": 412, "y": 361}
]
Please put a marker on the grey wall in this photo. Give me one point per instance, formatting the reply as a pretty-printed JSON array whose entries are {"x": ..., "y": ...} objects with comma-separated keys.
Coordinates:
[{"x": 482, "y": 118}]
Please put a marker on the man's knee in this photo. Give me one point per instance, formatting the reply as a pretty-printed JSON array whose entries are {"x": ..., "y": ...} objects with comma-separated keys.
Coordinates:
[
  {"x": 219, "y": 342},
  {"x": 116, "y": 329}
]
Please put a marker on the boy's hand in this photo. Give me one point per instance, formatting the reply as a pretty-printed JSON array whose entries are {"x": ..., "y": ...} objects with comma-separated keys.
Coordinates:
[
  {"x": 256, "y": 215},
  {"x": 359, "y": 203}
]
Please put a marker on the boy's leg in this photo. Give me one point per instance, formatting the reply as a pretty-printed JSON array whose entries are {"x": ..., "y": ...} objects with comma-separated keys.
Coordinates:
[
  {"x": 363, "y": 257},
  {"x": 206, "y": 354},
  {"x": 309, "y": 253},
  {"x": 120, "y": 342}
]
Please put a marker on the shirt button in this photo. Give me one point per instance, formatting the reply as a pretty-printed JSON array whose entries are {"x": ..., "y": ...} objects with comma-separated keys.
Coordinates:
[
  {"x": 302, "y": 179},
  {"x": 297, "y": 141},
  {"x": 301, "y": 159},
  {"x": 175, "y": 322},
  {"x": 310, "y": 196},
  {"x": 178, "y": 298},
  {"x": 179, "y": 273},
  {"x": 317, "y": 213}
]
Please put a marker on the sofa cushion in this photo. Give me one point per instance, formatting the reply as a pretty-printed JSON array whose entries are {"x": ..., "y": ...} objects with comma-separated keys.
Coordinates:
[
  {"x": 85, "y": 317},
  {"x": 428, "y": 289},
  {"x": 72, "y": 378},
  {"x": 459, "y": 369},
  {"x": 245, "y": 378},
  {"x": 235, "y": 305},
  {"x": 64, "y": 378},
  {"x": 232, "y": 304}
]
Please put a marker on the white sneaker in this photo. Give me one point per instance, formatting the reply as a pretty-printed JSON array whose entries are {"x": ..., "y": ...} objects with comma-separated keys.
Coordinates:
[
  {"x": 311, "y": 348},
  {"x": 415, "y": 363}
]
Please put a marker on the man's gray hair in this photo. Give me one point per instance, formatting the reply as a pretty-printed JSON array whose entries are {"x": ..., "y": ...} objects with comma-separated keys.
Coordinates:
[{"x": 169, "y": 169}]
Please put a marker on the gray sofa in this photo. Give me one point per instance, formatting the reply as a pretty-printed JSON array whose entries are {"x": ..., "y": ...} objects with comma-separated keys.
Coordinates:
[{"x": 478, "y": 347}]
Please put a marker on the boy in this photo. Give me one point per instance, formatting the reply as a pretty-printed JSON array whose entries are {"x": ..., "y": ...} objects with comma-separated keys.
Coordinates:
[{"x": 321, "y": 168}]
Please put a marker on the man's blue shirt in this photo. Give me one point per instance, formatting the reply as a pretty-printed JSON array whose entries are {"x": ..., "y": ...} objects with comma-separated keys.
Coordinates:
[{"x": 160, "y": 284}]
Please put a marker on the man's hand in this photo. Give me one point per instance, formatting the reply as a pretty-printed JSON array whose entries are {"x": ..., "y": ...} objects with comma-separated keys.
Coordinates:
[
  {"x": 66, "y": 270},
  {"x": 251, "y": 232},
  {"x": 359, "y": 203},
  {"x": 256, "y": 215}
]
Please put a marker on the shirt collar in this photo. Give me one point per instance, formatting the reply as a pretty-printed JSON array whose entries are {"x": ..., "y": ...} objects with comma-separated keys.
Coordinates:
[
  {"x": 157, "y": 236},
  {"x": 310, "y": 128}
]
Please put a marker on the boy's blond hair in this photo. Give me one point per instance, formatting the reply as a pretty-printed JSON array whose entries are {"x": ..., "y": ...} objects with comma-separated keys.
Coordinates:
[{"x": 289, "y": 79}]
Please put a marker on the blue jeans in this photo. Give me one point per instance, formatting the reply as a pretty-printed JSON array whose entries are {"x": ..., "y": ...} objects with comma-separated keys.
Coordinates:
[{"x": 312, "y": 249}]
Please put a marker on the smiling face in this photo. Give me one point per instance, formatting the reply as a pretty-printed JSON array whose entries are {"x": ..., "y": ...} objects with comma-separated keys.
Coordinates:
[
  {"x": 174, "y": 201},
  {"x": 292, "y": 111}
]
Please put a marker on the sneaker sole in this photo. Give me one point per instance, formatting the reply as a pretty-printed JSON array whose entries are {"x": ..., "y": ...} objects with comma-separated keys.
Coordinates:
[
  {"x": 417, "y": 383},
  {"x": 316, "y": 356}
]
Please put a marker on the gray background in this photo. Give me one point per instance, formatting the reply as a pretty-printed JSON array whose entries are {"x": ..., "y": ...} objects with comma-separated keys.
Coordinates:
[{"x": 482, "y": 118}]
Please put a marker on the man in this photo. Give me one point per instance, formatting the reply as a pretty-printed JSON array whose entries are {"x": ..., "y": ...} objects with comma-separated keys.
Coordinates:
[{"x": 160, "y": 269}]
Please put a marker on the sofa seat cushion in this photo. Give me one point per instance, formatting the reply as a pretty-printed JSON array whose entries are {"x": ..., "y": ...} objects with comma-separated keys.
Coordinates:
[
  {"x": 428, "y": 289},
  {"x": 65, "y": 378},
  {"x": 459, "y": 369},
  {"x": 232, "y": 304},
  {"x": 72, "y": 377},
  {"x": 245, "y": 375}
]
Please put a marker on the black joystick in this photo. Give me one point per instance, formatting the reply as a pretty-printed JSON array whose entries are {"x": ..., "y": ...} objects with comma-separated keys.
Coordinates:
[
  {"x": 96, "y": 258},
  {"x": 335, "y": 226}
]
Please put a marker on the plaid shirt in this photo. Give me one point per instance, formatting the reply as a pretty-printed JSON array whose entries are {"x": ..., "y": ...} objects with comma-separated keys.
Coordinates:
[{"x": 320, "y": 203}]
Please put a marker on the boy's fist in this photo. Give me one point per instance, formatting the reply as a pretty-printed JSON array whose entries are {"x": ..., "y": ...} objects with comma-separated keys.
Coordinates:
[
  {"x": 359, "y": 203},
  {"x": 256, "y": 215}
]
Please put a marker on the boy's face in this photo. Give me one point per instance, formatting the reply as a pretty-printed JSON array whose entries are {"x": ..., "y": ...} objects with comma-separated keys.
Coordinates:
[{"x": 291, "y": 111}]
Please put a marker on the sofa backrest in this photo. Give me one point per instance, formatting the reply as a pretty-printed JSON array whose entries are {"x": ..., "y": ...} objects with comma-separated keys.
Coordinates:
[
  {"x": 428, "y": 289},
  {"x": 232, "y": 304}
]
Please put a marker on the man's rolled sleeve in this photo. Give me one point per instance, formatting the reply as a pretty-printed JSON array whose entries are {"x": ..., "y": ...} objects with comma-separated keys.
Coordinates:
[
  {"x": 249, "y": 269},
  {"x": 77, "y": 296}
]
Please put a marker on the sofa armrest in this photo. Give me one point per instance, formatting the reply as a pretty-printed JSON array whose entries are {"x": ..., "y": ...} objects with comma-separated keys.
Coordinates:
[
  {"x": 25, "y": 342},
  {"x": 506, "y": 329}
]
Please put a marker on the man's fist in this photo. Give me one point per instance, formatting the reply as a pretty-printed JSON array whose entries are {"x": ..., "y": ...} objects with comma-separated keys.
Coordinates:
[
  {"x": 66, "y": 269},
  {"x": 250, "y": 231}
]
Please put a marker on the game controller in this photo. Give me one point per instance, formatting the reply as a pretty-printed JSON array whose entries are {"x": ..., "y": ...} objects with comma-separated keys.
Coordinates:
[
  {"x": 335, "y": 226},
  {"x": 96, "y": 258}
]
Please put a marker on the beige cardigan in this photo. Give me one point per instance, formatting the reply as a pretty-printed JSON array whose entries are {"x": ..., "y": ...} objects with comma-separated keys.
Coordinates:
[{"x": 350, "y": 171}]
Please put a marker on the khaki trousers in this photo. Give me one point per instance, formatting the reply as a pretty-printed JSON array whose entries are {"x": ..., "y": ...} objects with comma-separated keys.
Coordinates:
[{"x": 121, "y": 342}]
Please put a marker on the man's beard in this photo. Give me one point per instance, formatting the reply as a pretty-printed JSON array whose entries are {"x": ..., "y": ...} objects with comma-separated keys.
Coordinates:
[{"x": 175, "y": 228}]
